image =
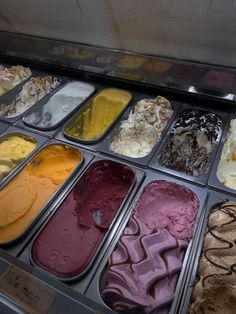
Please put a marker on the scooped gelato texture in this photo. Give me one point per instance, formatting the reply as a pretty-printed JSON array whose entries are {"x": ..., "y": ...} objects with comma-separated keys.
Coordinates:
[
  {"x": 191, "y": 142},
  {"x": 31, "y": 92},
  {"x": 83, "y": 219},
  {"x": 226, "y": 171},
  {"x": 10, "y": 77},
  {"x": 23, "y": 198},
  {"x": 139, "y": 133},
  {"x": 144, "y": 267},
  {"x": 94, "y": 119},
  {"x": 13, "y": 149},
  {"x": 215, "y": 290},
  {"x": 60, "y": 105}
]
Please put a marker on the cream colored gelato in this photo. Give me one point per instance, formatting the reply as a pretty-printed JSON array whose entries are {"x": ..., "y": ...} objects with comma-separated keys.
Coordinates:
[
  {"x": 10, "y": 77},
  {"x": 226, "y": 171},
  {"x": 143, "y": 128},
  {"x": 31, "y": 92}
]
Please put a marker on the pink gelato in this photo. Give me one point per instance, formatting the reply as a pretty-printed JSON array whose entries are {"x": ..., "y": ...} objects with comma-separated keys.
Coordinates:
[
  {"x": 168, "y": 205},
  {"x": 144, "y": 268}
]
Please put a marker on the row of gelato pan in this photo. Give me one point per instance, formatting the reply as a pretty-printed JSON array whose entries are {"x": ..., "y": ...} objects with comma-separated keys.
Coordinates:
[
  {"x": 144, "y": 247},
  {"x": 182, "y": 141},
  {"x": 148, "y": 246},
  {"x": 80, "y": 226},
  {"x": 130, "y": 238}
]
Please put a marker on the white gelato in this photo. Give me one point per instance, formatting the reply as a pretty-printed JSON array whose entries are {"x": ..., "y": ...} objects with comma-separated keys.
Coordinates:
[
  {"x": 143, "y": 128},
  {"x": 10, "y": 77},
  {"x": 226, "y": 171},
  {"x": 60, "y": 105},
  {"x": 31, "y": 92}
]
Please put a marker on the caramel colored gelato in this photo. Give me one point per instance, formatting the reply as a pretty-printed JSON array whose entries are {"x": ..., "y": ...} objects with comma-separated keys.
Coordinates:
[
  {"x": 10, "y": 77},
  {"x": 22, "y": 200},
  {"x": 93, "y": 121},
  {"x": 215, "y": 291},
  {"x": 13, "y": 149}
]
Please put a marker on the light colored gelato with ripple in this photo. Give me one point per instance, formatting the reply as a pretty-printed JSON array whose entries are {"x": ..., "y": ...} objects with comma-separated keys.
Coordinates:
[
  {"x": 10, "y": 77},
  {"x": 226, "y": 171},
  {"x": 139, "y": 133},
  {"x": 32, "y": 91}
]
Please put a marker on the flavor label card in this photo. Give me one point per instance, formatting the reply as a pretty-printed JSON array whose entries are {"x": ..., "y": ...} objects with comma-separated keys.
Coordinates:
[{"x": 29, "y": 293}]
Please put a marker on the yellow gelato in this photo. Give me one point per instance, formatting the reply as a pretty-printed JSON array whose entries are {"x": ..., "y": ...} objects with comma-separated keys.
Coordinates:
[
  {"x": 93, "y": 121},
  {"x": 131, "y": 62},
  {"x": 13, "y": 149},
  {"x": 25, "y": 196}
]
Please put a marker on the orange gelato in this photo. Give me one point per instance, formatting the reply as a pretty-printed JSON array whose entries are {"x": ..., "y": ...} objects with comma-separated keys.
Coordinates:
[{"x": 25, "y": 196}]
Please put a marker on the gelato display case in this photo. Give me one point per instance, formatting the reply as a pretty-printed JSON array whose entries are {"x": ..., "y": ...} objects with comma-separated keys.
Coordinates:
[{"x": 114, "y": 168}]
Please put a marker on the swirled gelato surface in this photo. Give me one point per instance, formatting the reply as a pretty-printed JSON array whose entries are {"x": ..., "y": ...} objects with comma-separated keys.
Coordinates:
[
  {"x": 10, "y": 77},
  {"x": 60, "y": 105},
  {"x": 226, "y": 171},
  {"x": 31, "y": 92},
  {"x": 215, "y": 290},
  {"x": 191, "y": 142},
  {"x": 23, "y": 198},
  {"x": 83, "y": 219},
  {"x": 13, "y": 149},
  {"x": 144, "y": 267},
  {"x": 142, "y": 129}
]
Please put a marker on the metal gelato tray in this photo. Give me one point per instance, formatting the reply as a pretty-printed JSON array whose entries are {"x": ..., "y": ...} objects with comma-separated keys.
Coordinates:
[
  {"x": 15, "y": 246},
  {"x": 104, "y": 147},
  {"x": 49, "y": 134},
  {"x": 61, "y": 137},
  {"x": 202, "y": 178},
  {"x": 45, "y": 100},
  {"x": 8, "y": 97},
  {"x": 93, "y": 290},
  {"x": 213, "y": 180},
  {"x": 3, "y": 126},
  {"x": 81, "y": 281},
  {"x": 82, "y": 110},
  {"x": 35, "y": 138},
  {"x": 214, "y": 198}
]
